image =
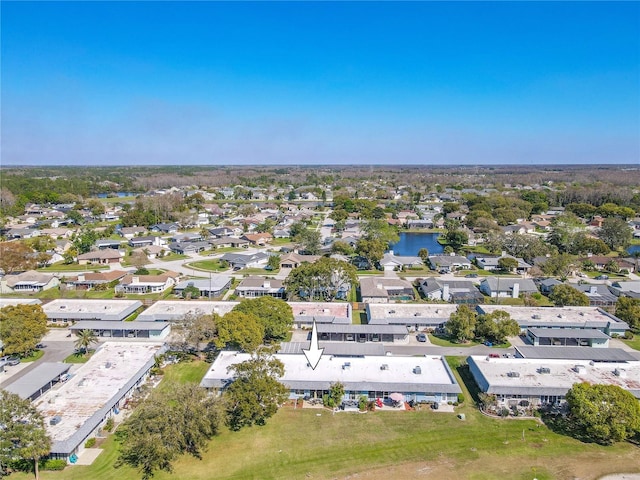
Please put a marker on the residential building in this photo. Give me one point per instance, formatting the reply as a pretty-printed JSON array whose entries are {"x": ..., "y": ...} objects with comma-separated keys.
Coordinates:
[
  {"x": 390, "y": 261},
  {"x": 89, "y": 280},
  {"x": 27, "y": 282},
  {"x": 385, "y": 290},
  {"x": 142, "y": 284},
  {"x": 101, "y": 257},
  {"x": 449, "y": 262},
  {"x": 454, "y": 291},
  {"x": 251, "y": 287},
  {"x": 214, "y": 286},
  {"x": 426, "y": 379},
  {"x": 507, "y": 287}
]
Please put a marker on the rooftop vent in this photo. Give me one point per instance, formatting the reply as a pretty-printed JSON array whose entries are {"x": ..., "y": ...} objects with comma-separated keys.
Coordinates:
[
  {"x": 544, "y": 370},
  {"x": 580, "y": 369},
  {"x": 346, "y": 365},
  {"x": 536, "y": 317},
  {"x": 513, "y": 374},
  {"x": 62, "y": 307},
  {"x": 384, "y": 366},
  {"x": 55, "y": 420},
  {"x": 392, "y": 312},
  {"x": 417, "y": 314},
  {"x": 417, "y": 370},
  {"x": 620, "y": 372}
]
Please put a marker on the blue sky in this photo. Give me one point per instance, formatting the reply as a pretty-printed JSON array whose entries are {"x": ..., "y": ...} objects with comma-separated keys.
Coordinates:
[{"x": 89, "y": 83}]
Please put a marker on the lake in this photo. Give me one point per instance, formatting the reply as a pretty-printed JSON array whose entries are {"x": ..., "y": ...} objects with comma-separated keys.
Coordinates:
[
  {"x": 118, "y": 194},
  {"x": 410, "y": 243}
]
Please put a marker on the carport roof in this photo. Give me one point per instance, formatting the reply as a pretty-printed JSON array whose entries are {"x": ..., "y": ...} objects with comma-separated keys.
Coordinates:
[
  {"x": 37, "y": 378},
  {"x": 107, "y": 325},
  {"x": 582, "y": 333}
]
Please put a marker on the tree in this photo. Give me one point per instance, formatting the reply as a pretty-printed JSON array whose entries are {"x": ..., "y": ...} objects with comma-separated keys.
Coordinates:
[
  {"x": 22, "y": 432},
  {"x": 175, "y": 420},
  {"x": 342, "y": 247},
  {"x": 308, "y": 241},
  {"x": 603, "y": 413},
  {"x": 85, "y": 339},
  {"x": 496, "y": 326},
  {"x": 194, "y": 329},
  {"x": 84, "y": 240},
  {"x": 507, "y": 264},
  {"x": 22, "y": 328},
  {"x": 139, "y": 260},
  {"x": 190, "y": 291},
  {"x": 461, "y": 324},
  {"x": 274, "y": 261},
  {"x": 628, "y": 310},
  {"x": 566, "y": 295},
  {"x": 379, "y": 229},
  {"x": 615, "y": 233},
  {"x": 559, "y": 265},
  {"x": 334, "y": 398},
  {"x": 456, "y": 239},
  {"x": 324, "y": 280},
  {"x": 16, "y": 257},
  {"x": 239, "y": 330},
  {"x": 423, "y": 253},
  {"x": 371, "y": 249},
  {"x": 256, "y": 393},
  {"x": 275, "y": 315}
]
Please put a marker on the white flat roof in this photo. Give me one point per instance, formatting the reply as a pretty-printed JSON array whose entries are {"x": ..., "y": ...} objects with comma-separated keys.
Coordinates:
[
  {"x": 6, "y": 302},
  {"x": 92, "y": 386},
  {"x": 85, "y": 309},
  {"x": 166, "y": 310},
  {"x": 363, "y": 373},
  {"x": 429, "y": 310},
  {"x": 562, "y": 376},
  {"x": 553, "y": 315}
]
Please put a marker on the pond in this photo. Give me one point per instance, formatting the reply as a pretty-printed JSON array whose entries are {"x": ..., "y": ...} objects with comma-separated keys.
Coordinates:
[
  {"x": 633, "y": 248},
  {"x": 118, "y": 194},
  {"x": 410, "y": 244}
]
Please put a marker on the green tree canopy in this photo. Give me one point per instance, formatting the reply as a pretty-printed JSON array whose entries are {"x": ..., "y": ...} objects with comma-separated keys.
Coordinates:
[
  {"x": 565, "y": 295},
  {"x": 496, "y": 327},
  {"x": 371, "y": 249},
  {"x": 615, "y": 233},
  {"x": 22, "y": 431},
  {"x": 456, "y": 239},
  {"x": 22, "y": 328},
  {"x": 462, "y": 323},
  {"x": 603, "y": 413},
  {"x": 423, "y": 253},
  {"x": 85, "y": 339},
  {"x": 323, "y": 280},
  {"x": 256, "y": 393},
  {"x": 239, "y": 330},
  {"x": 275, "y": 315},
  {"x": 628, "y": 310},
  {"x": 309, "y": 241},
  {"x": 172, "y": 421},
  {"x": 16, "y": 257},
  {"x": 507, "y": 264}
]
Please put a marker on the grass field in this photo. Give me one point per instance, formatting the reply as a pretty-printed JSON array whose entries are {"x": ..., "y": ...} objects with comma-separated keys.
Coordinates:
[
  {"x": 208, "y": 265},
  {"x": 443, "y": 341},
  {"x": 35, "y": 355},
  {"x": 310, "y": 443},
  {"x": 634, "y": 342}
]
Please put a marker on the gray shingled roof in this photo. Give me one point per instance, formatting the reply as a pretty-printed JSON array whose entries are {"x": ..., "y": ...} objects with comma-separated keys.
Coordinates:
[{"x": 578, "y": 353}]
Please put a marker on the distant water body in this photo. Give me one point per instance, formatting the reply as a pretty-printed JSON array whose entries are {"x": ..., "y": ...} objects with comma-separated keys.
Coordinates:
[
  {"x": 119, "y": 194},
  {"x": 411, "y": 243}
]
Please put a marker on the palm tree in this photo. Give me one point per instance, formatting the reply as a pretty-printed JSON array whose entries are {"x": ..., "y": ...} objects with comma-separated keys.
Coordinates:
[{"x": 85, "y": 339}]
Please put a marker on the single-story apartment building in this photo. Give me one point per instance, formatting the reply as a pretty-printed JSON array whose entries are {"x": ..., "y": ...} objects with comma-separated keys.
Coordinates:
[
  {"x": 175, "y": 310},
  {"x": 96, "y": 391},
  {"x": 252, "y": 287},
  {"x": 561, "y": 317},
  {"x": 567, "y": 337},
  {"x": 114, "y": 329},
  {"x": 75, "y": 310},
  {"x": 419, "y": 379},
  {"x": 543, "y": 382},
  {"x": 416, "y": 316}
]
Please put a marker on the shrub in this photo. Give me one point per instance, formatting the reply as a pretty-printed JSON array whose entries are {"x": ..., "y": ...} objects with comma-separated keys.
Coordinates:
[
  {"x": 54, "y": 464},
  {"x": 90, "y": 443},
  {"x": 628, "y": 335},
  {"x": 363, "y": 403},
  {"x": 108, "y": 426},
  {"x": 460, "y": 398}
]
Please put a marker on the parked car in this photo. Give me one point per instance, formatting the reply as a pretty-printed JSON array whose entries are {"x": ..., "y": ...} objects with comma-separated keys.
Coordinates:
[
  {"x": 602, "y": 277},
  {"x": 10, "y": 360},
  {"x": 421, "y": 337},
  {"x": 471, "y": 275}
]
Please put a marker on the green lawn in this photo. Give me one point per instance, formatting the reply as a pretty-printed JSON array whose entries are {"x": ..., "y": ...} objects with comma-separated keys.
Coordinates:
[
  {"x": 634, "y": 342},
  {"x": 74, "y": 267},
  {"x": 444, "y": 341},
  {"x": 35, "y": 355},
  {"x": 258, "y": 271},
  {"x": 208, "y": 265},
  {"x": 309, "y": 443},
  {"x": 78, "y": 357},
  {"x": 173, "y": 256}
]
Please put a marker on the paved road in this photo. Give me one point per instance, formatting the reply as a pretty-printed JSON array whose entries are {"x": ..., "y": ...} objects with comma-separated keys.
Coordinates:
[{"x": 57, "y": 347}]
